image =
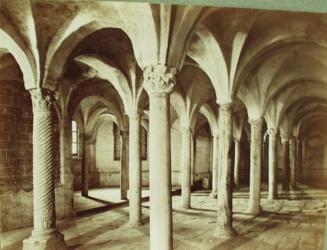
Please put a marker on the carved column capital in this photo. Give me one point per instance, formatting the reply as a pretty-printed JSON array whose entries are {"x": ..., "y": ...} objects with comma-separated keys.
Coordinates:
[
  {"x": 256, "y": 123},
  {"x": 186, "y": 129},
  {"x": 226, "y": 106},
  {"x": 134, "y": 114},
  {"x": 285, "y": 138},
  {"x": 41, "y": 100},
  {"x": 237, "y": 140},
  {"x": 159, "y": 79},
  {"x": 124, "y": 133},
  {"x": 272, "y": 132}
]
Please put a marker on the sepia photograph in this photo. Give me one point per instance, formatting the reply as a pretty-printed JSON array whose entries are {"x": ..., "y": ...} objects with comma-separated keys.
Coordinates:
[{"x": 163, "y": 125}]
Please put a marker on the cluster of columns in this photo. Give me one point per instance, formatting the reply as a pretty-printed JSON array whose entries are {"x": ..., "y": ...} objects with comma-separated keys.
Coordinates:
[{"x": 159, "y": 82}]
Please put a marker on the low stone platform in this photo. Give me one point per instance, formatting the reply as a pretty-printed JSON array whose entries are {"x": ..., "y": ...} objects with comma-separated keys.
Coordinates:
[{"x": 295, "y": 221}]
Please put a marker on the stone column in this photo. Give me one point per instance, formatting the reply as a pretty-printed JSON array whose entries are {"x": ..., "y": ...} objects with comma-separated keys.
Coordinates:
[
  {"x": 159, "y": 82},
  {"x": 215, "y": 161},
  {"x": 285, "y": 163},
  {"x": 123, "y": 164},
  {"x": 255, "y": 166},
  {"x": 304, "y": 162},
  {"x": 186, "y": 167},
  {"x": 237, "y": 161},
  {"x": 272, "y": 165},
  {"x": 66, "y": 175},
  {"x": 85, "y": 167},
  {"x": 224, "y": 226},
  {"x": 299, "y": 158},
  {"x": 293, "y": 162},
  {"x": 192, "y": 160},
  {"x": 135, "y": 169},
  {"x": 44, "y": 234},
  {"x": 91, "y": 155}
]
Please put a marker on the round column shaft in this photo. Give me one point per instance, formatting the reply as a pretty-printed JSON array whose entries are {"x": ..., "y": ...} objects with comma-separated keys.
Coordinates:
[
  {"x": 159, "y": 82},
  {"x": 299, "y": 158},
  {"x": 293, "y": 166},
  {"x": 255, "y": 166},
  {"x": 135, "y": 170},
  {"x": 272, "y": 165},
  {"x": 224, "y": 226},
  {"x": 44, "y": 234},
  {"x": 215, "y": 161},
  {"x": 237, "y": 161},
  {"x": 123, "y": 164},
  {"x": 285, "y": 163},
  {"x": 186, "y": 167}
]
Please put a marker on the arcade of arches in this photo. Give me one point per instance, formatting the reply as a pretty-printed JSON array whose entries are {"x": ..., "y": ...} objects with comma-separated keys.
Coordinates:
[{"x": 205, "y": 109}]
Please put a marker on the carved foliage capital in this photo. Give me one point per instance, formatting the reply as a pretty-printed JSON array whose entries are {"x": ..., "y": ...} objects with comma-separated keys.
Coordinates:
[
  {"x": 226, "y": 107},
  {"x": 41, "y": 100},
  {"x": 159, "y": 79},
  {"x": 256, "y": 123},
  {"x": 272, "y": 132}
]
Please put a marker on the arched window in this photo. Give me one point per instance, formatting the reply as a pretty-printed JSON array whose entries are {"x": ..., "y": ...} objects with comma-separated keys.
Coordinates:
[{"x": 74, "y": 139}]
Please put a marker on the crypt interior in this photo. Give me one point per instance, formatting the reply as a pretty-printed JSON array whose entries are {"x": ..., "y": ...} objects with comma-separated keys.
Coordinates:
[{"x": 153, "y": 126}]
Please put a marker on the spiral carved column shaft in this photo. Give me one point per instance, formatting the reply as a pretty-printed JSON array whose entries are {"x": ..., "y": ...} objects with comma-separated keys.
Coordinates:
[
  {"x": 272, "y": 176},
  {"x": 159, "y": 82},
  {"x": 215, "y": 161},
  {"x": 255, "y": 166},
  {"x": 186, "y": 167},
  {"x": 224, "y": 202},
  {"x": 44, "y": 235}
]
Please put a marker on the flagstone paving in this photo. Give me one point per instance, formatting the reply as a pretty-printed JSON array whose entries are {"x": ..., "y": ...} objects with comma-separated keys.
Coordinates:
[{"x": 295, "y": 221}]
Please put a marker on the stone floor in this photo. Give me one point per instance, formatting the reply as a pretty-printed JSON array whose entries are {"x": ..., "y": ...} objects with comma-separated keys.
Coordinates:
[
  {"x": 295, "y": 221},
  {"x": 100, "y": 197}
]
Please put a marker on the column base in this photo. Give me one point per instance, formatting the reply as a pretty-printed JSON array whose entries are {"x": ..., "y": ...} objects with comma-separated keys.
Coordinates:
[
  {"x": 135, "y": 223},
  {"x": 186, "y": 206},
  {"x": 222, "y": 232},
  {"x": 255, "y": 210},
  {"x": 53, "y": 241},
  {"x": 213, "y": 195},
  {"x": 272, "y": 197}
]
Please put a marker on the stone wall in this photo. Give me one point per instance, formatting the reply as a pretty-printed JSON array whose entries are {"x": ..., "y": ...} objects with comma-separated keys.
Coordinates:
[
  {"x": 315, "y": 167},
  {"x": 202, "y": 160},
  {"x": 16, "y": 152}
]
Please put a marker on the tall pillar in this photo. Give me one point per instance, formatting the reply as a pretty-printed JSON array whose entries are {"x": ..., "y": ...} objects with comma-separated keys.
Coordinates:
[
  {"x": 215, "y": 161},
  {"x": 272, "y": 165},
  {"x": 91, "y": 155},
  {"x": 66, "y": 175},
  {"x": 186, "y": 167},
  {"x": 237, "y": 161},
  {"x": 85, "y": 167},
  {"x": 299, "y": 158},
  {"x": 159, "y": 82},
  {"x": 192, "y": 160},
  {"x": 123, "y": 164},
  {"x": 135, "y": 169},
  {"x": 255, "y": 166},
  {"x": 293, "y": 166},
  {"x": 224, "y": 226},
  {"x": 285, "y": 163},
  {"x": 44, "y": 235},
  {"x": 303, "y": 159}
]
